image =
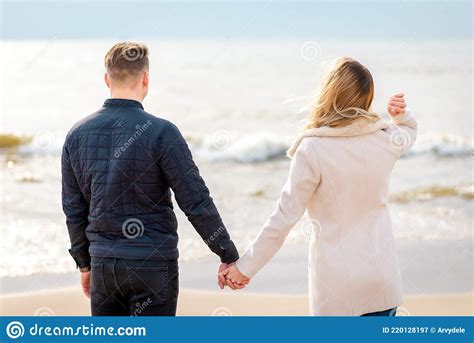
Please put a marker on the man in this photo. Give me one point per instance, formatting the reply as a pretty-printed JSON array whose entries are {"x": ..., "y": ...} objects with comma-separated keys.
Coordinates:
[{"x": 118, "y": 167}]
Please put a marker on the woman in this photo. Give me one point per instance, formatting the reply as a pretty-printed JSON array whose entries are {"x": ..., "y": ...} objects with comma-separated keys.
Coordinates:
[{"x": 340, "y": 173}]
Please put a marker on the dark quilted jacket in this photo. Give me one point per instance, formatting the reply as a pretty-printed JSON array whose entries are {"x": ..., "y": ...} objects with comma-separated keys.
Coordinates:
[{"x": 118, "y": 167}]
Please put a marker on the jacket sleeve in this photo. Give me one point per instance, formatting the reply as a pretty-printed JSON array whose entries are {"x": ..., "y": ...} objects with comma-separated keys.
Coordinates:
[
  {"x": 402, "y": 131},
  {"x": 76, "y": 209},
  {"x": 192, "y": 194},
  {"x": 303, "y": 179}
]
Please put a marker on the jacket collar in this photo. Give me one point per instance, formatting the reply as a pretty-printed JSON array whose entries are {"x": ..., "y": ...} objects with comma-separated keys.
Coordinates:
[
  {"x": 116, "y": 102},
  {"x": 359, "y": 127}
]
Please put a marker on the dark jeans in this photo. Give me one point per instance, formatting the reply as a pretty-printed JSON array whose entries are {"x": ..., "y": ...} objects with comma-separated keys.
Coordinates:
[
  {"x": 124, "y": 287},
  {"x": 388, "y": 313}
]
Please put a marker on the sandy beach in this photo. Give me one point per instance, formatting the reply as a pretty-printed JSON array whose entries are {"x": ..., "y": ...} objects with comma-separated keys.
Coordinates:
[{"x": 70, "y": 302}]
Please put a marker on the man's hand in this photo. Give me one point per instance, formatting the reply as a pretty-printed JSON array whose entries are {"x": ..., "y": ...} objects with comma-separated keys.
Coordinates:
[
  {"x": 86, "y": 283},
  {"x": 233, "y": 277},
  {"x": 221, "y": 278},
  {"x": 396, "y": 105}
]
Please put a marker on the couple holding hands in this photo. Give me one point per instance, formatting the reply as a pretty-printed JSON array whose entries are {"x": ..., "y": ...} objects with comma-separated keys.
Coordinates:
[{"x": 120, "y": 164}]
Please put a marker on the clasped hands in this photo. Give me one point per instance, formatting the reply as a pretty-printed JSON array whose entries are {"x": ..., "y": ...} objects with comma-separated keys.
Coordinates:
[{"x": 230, "y": 275}]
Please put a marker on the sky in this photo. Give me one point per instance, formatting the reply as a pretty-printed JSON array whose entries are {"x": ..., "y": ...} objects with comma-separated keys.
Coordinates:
[{"x": 74, "y": 19}]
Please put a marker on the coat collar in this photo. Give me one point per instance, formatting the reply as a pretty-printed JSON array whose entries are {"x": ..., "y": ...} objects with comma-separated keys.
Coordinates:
[
  {"x": 359, "y": 127},
  {"x": 118, "y": 102}
]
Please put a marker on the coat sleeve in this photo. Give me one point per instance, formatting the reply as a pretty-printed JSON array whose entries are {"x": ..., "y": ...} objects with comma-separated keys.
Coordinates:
[
  {"x": 76, "y": 209},
  {"x": 303, "y": 179},
  {"x": 402, "y": 131},
  {"x": 192, "y": 194}
]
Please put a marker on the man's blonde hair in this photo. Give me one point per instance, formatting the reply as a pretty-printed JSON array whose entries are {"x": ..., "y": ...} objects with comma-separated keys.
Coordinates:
[{"x": 126, "y": 60}]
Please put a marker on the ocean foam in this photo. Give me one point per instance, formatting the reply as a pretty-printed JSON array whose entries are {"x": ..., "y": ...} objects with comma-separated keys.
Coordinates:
[{"x": 224, "y": 146}]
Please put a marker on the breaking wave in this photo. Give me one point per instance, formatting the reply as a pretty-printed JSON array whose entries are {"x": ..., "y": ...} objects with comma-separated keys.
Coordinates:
[{"x": 225, "y": 146}]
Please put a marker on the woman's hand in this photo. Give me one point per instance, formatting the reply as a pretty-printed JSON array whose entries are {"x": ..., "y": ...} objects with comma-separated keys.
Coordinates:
[
  {"x": 233, "y": 277},
  {"x": 396, "y": 105}
]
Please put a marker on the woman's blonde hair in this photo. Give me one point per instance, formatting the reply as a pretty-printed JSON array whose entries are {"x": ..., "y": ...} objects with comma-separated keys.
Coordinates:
[{"x": 346, "y": 94}]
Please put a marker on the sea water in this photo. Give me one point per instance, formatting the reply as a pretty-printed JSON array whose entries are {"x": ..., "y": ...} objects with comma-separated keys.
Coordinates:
[{"x": 239, "y": 104}]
